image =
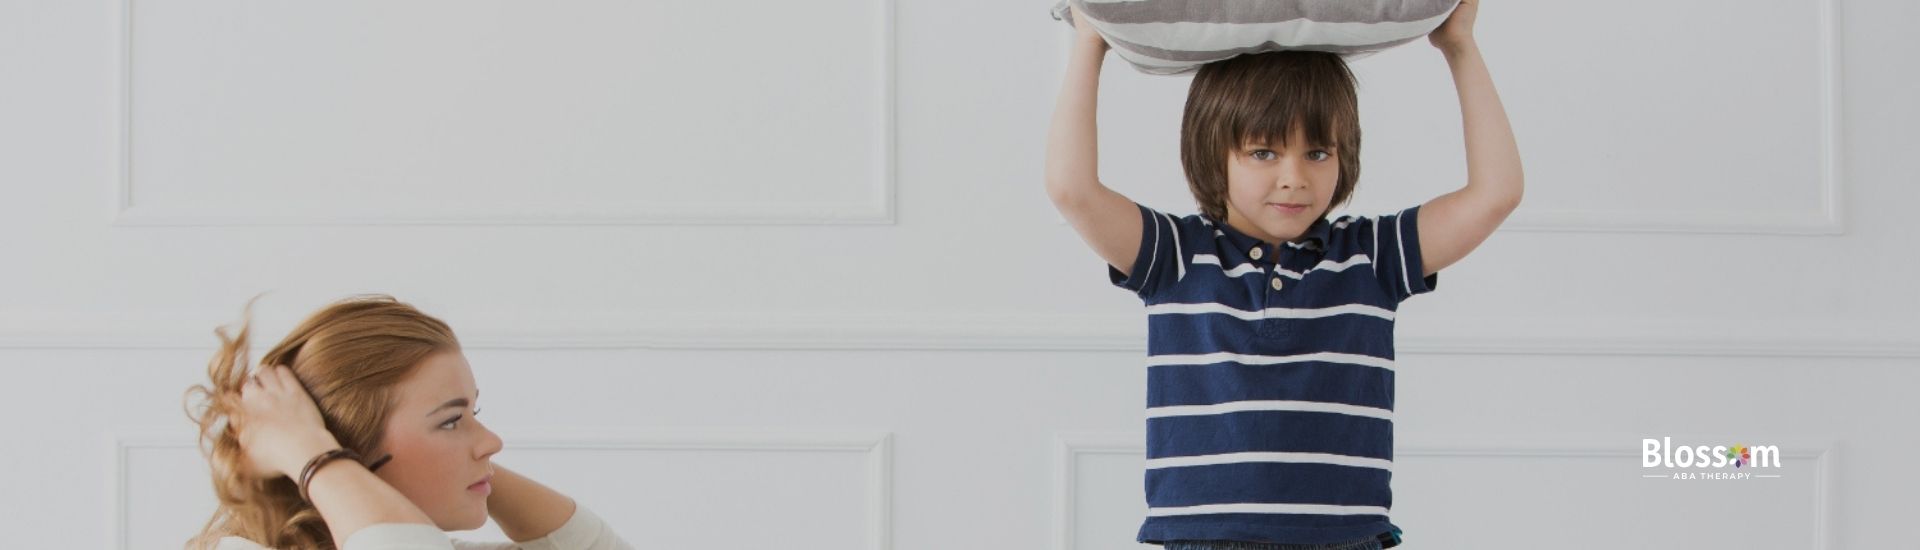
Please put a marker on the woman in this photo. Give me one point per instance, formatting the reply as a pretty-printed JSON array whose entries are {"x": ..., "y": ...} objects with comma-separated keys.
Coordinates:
[{"x": 358, "y": 432}]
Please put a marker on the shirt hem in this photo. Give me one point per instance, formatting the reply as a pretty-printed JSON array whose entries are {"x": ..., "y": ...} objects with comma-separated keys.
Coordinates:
[{"x": 1156, "y": 531}]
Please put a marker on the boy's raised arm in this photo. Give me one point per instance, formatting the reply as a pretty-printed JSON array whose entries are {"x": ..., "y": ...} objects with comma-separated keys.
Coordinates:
[
  {"x": 1452, "y": 225},
  {"x": 1108, "y": 221}
]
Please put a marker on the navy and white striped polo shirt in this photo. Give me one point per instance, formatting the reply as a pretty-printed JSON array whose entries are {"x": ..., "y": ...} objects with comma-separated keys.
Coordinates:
[{"x": 1270, "y": 376}]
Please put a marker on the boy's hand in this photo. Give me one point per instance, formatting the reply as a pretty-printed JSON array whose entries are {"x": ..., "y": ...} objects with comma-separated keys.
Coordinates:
[
  {"x": 1457, "y": 31},
  {"x": 1084, "y": 33}
]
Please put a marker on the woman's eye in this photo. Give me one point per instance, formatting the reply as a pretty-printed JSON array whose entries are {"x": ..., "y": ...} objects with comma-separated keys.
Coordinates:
[{"x": 454, "y": 422}]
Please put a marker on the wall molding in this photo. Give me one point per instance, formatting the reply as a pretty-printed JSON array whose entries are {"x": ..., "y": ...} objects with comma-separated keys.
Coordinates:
[
  {"x": 1827, "y": 218},
  {"x": 1069, "y": 446},
  {"x": 876, "y": 447},
  {"x": 1028, "y": 332},
  {"x": 1067, "y": 449},
  {"x": 877, "y": 207}
]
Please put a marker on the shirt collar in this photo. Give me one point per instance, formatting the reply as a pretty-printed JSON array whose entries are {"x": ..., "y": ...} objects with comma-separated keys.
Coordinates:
[{"x": 1315, "y": 238}]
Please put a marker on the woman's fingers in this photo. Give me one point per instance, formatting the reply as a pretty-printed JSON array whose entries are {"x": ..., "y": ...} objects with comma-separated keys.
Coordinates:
[
  {"x": 279, "y": 378},
  {"x": 262, "y": 390},
  {"x": 249, "y": 387},
  {"x": 282, "y": 379},
  {"x": 274, "y": 415},
  {"x": 296, "y": 391}
]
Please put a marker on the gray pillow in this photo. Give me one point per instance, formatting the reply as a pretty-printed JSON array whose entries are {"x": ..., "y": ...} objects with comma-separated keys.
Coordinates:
[{"x": 1177, "y": 36}]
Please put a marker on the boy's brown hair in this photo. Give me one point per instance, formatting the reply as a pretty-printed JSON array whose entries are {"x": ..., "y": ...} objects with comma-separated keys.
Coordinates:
[{"x": 1256, "y": 99}]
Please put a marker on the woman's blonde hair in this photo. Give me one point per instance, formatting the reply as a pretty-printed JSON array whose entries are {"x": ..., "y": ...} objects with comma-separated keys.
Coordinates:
[{"x": 349, "y": 356}]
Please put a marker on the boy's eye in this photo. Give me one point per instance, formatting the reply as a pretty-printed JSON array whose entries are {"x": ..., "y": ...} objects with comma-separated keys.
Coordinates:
[
  {"x": 1263, "y": 154},
  {"x": 1327, "y": 155}
]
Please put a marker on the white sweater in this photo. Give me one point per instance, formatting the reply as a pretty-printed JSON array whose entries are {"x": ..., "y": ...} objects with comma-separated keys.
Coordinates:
[{"x": 583, "y": 531}]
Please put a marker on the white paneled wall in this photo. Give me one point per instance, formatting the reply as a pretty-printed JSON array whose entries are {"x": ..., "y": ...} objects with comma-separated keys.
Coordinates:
[
  {"x": 781, "y": 275},
  {"x": 577, "y": 113}
]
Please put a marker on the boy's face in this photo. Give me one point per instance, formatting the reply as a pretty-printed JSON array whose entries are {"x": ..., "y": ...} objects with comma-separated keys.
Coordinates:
[{"x": 1275, "y": 192}]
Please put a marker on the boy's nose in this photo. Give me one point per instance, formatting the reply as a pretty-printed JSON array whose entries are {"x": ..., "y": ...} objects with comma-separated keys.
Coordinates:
[{"x": 1292, "y": 175}]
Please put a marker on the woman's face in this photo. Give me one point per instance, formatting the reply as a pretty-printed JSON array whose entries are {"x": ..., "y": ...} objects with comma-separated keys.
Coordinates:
[{"x": 441, "y": 453}]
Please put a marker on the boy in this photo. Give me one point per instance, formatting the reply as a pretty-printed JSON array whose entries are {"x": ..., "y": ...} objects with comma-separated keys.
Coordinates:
[{"x": 1270, "y": 328}]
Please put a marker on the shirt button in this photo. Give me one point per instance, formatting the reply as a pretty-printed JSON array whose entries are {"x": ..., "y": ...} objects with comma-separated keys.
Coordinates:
[
  {"x": 1255, "y": 253},
  {"x": 1276, "y": 283}
]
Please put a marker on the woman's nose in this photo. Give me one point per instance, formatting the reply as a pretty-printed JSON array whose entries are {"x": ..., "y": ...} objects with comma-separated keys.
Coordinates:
[{"x": 490, "y": 443}]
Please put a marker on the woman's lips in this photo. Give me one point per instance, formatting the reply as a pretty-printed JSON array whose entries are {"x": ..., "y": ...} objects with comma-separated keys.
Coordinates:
[{"x": 484, "y": 486}]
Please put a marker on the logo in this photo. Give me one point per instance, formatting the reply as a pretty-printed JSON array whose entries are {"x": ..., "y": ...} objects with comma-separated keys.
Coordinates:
[{"x": 1709, "y": 462}]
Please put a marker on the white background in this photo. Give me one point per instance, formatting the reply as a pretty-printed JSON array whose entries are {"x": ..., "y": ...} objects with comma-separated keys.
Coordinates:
[{"x": 781, "y": 275}]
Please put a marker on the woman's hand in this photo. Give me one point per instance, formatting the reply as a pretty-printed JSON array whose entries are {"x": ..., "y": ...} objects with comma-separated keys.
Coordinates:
[
  {"x": 1457, "y": 31},
  {"x": 523, "y": 508},
  {"x": 281, "y": 429},
  {"x": 279, "y": 426}
]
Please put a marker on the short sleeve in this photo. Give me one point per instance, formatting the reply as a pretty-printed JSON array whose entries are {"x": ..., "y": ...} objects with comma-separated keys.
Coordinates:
[
  {"x": 379, "y": 536},
  {"x": 1394, "y": 246},
  {"x": 583, "y": 531},
  {"x": 398, "y": 536},
  {"x": 1159, "y": 263}
]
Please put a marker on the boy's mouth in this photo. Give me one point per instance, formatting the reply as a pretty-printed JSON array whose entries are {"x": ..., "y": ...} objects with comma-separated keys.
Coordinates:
[{"x": 1288, "y": 208}]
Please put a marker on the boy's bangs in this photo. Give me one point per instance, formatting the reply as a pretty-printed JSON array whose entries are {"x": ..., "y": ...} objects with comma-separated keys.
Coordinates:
[{"x": 1270, "y": 122}]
